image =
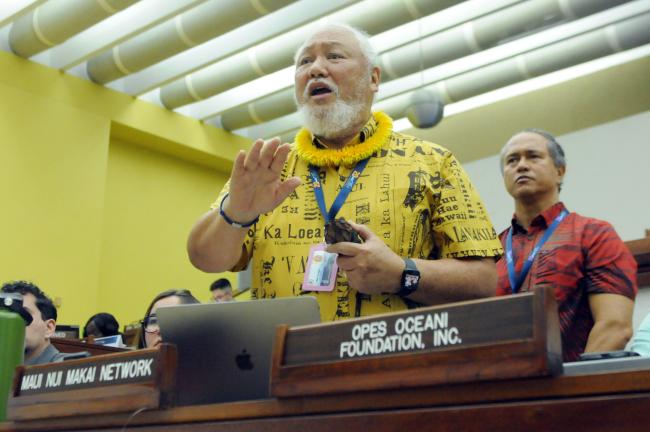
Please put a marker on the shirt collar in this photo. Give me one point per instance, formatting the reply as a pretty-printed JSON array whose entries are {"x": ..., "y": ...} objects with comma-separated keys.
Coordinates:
[
  {"x": 542, "y": 220},
  {"x": 48, "y": 355},
  {"x": 366, "y": 132}
]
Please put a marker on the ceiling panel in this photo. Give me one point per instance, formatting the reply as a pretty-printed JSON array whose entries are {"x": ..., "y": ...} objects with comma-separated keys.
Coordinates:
[{"x": 229, "y": 62}]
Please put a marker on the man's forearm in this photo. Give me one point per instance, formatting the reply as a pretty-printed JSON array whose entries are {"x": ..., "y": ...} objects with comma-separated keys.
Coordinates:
[
  {"x": 214, "y": 245},
  {"x": 612, "y": 322},
  {"x": 451, "y": 280},
  {"x": 608, "y": 336}
]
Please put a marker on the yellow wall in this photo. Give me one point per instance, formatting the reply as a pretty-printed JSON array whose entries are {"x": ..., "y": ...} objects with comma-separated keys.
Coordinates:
[
  {"x": 98, "y": 191},
  {"x": 151, "y": 202},
  {"x": 52, "y": 173}
]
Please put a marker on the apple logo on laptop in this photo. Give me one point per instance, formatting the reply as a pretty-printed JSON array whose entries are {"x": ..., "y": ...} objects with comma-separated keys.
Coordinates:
[{"x": 243, "y": 361}]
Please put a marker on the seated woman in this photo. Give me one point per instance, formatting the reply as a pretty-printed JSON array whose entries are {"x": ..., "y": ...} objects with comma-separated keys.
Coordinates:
[
  {"x": 150, "y": 332},
  {"x": 101, "y": 325}
]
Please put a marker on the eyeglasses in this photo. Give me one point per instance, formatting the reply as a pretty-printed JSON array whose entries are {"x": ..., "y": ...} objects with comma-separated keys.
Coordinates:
[{"x": 150, "y": 324}]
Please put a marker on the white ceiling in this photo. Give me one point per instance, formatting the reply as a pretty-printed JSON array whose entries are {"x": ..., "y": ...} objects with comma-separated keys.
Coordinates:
[{"x": 230, "y": 59}]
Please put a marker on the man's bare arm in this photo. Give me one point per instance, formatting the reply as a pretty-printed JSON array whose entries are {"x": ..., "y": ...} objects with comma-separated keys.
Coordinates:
[
  {"x": 373, "y": 268},
  {"x": 214, "y": 245},
  {"x": 451, "y": 280},
  {"x": 612, "y": 322}
]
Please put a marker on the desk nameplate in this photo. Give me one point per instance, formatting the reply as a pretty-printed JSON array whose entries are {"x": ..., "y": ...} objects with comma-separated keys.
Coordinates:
[
  {"x": 145, "y": 377},
  {"x": 98, "y": 373},
  {"x": 496, "y": 338}
]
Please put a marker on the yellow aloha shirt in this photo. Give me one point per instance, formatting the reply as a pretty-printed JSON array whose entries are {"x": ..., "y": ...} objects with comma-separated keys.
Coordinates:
[{"x": 413, "y": 194}]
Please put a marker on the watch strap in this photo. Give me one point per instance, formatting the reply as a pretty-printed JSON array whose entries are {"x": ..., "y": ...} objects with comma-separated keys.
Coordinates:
[{"x": 410, "y": 279}]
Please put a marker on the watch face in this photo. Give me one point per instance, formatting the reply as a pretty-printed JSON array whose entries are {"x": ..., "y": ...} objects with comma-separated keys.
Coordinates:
[{"x": 411, "y": 279}]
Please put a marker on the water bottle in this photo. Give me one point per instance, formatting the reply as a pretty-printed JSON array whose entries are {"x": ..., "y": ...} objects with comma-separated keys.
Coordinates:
[{"x": 12, "y": 344}]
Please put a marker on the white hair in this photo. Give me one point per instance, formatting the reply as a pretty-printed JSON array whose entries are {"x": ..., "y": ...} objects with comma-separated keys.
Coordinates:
[{"x": 362, "y": 37}]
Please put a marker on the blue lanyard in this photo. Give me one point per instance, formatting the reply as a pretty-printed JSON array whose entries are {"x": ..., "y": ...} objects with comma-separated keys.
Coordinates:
[
  {"x": 516, "y": 281},
  {"x": 343, "y": 193}
]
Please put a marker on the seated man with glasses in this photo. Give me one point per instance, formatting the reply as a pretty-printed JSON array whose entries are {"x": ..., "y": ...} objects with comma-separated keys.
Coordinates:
[
  {"x": 150, "y": 334},
  {"x": 38, "y": 348}
]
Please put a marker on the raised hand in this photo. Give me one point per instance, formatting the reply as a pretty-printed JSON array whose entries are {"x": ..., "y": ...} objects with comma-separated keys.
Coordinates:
[{"x": 255, "y": 184}]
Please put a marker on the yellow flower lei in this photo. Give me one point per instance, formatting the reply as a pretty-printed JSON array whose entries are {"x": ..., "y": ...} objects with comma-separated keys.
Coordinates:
[{"x": 348, "y": 155}]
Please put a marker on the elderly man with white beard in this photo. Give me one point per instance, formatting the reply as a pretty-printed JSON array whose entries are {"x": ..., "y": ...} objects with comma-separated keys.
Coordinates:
[{"x": 424, "y": 235}]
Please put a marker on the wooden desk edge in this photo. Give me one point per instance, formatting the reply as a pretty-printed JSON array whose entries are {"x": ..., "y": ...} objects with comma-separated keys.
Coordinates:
[{"x": 618, "y": 383}]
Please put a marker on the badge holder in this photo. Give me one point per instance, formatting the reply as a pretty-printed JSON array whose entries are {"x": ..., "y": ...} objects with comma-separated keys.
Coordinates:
[{"x": 321, "y": 269}]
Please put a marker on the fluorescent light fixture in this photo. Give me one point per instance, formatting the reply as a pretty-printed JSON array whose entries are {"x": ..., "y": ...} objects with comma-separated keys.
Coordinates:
[
  {"x": 385, "y": 41},
  {"x": 511, "y": 49},
  {"x": 243, "y": 37},
  {"x": 208, "y": 108},
  {"x": 135, "y": 19},
  {"x": 248, "y": 92},
  {"x": 397, "y": 87},
  {"x": 272, "y": 128},
  {"x": 10, "y": 10},
  {"x": 437, "y": 22},
  {"x": 538, "y": 83},
  {"x": 153, "y": 96},
  {"x": 79, "y": 71}
]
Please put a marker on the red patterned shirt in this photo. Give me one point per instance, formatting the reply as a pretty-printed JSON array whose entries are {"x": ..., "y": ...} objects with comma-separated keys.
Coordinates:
[{"x": 583, "y": 256}]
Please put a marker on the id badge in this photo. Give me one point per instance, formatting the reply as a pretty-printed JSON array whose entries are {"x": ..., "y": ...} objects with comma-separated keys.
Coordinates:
[{"x": 321, "y": 269}]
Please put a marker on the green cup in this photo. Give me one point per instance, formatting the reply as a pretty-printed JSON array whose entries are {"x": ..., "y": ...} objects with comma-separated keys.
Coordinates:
[{"x": 12, "y": 347}]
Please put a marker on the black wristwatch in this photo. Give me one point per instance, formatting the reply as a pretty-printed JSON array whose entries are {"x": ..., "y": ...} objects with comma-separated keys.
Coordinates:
[{"x": 410, "y": 279}]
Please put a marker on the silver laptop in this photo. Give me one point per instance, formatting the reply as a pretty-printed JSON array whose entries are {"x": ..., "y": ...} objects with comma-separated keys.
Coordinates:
[{"x": 224, "y": 349}]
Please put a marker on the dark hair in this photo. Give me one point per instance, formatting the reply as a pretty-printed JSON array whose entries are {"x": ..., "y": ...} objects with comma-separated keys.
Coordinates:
[
  {"x": 222, "y": 283},
  {"x": 43, "y": 302},
  {"x": 554, "y": 149},
  {"x": 105, "y": 323},
  {"x": 185, "y": 297}
]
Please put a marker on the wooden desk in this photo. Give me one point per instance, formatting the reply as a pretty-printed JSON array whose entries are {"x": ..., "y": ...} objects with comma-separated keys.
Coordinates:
[
  {"x": 75, "y": 345},
  {"x": 600, "y": 402},
  {"x": 641, "y": 251}
]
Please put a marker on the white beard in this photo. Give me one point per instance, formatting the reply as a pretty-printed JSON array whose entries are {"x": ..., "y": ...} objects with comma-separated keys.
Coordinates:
[
  {"x": 331, "y": 121},
  {"x": 335, "y": 120}
]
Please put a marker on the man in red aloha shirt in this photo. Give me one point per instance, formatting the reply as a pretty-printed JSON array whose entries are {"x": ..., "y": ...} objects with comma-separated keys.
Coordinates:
[{"x": 592, "y": 271}]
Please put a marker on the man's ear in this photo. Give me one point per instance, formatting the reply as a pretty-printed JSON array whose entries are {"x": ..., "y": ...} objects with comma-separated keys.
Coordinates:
[
  {"x": 50, "y": 328},
  {"x": 375, "y": 78},
  {"x": 560, "y": 172}
]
